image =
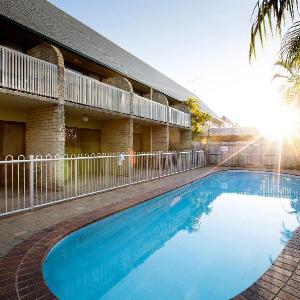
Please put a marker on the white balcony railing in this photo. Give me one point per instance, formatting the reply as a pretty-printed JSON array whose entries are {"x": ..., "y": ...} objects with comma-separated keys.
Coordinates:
[
  {"x": 146, "y": 108},
  {"x": 88, "y": 91},
  {"x": 24, "y": 73},
  {"x": 27, "y": 74},
  {"x": 179, "y": 118}
]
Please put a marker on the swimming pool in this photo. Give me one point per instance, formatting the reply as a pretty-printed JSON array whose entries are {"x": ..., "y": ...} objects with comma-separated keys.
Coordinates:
[{"x": 207, "y": 240}]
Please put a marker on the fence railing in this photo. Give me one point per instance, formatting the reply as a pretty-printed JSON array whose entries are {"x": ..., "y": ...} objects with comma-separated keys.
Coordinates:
[
  {"x": 25, "y": 73},
  {"x": 39, "y": 181},
  {"x": 251, "y": 155},
  {"x": 88, "y": 91},
  {"x": 146, "y": 108},
  {"x": 180, "y": 118}
]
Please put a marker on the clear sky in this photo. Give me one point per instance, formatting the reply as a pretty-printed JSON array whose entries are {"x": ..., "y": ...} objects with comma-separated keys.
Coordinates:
[{"x": 201, "y": 44}]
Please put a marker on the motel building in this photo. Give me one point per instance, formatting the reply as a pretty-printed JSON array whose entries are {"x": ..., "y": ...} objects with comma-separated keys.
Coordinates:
[{"x": 66, "y": 90}]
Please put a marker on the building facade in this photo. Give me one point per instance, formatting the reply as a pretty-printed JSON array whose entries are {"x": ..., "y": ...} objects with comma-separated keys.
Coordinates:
[{"x": 65, "y": 89}]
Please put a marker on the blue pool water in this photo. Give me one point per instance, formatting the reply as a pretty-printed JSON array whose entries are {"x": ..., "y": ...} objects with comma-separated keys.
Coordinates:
[{"x": 208, "y": 240}]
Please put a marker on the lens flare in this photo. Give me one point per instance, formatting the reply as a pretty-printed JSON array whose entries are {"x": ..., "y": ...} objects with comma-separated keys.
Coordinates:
[{"x": 281, "y": 124}]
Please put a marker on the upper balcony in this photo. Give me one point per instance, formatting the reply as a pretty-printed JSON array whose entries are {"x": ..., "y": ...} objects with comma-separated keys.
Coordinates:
[{"x": 24, "y": 73}]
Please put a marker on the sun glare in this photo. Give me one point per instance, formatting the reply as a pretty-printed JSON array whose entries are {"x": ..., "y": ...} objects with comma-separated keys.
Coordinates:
[{"x": 281, "y": 123}]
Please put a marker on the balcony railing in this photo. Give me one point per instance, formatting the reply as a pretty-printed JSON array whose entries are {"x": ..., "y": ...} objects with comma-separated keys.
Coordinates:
[
  {"x": 88, "y": 91},
  {"x": 146, "y": 108},
  {"x": 24, "y": 73},
  {"x": 27, "y": 74},
  {"x": 179, "y": 118}
]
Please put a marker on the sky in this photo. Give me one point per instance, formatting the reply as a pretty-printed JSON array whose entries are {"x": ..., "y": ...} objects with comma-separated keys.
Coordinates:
[{"x": 201, "y": 44}]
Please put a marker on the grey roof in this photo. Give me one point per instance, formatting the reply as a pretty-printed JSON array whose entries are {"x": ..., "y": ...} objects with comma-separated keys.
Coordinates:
[
  {"x": 227, "y": 120},
  {"x": 53, "y": 24},
  {"x": 239, "y": 131}
]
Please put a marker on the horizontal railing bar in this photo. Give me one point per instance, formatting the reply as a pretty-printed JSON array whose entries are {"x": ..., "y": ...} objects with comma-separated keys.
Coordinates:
[{"x": 90, "y": 157}]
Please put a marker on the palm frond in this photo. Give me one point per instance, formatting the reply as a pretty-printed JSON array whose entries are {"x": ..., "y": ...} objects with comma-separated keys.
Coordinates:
[
  {"x": 290, "y": 45},
  {"x": 268, "y": 10},
  {"x": 278, "y": 75},
  {"x": 287, "y": 67}
]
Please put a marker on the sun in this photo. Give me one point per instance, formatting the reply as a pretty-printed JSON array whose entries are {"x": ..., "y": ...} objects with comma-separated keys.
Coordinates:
[{"x": 283, "y": 122}]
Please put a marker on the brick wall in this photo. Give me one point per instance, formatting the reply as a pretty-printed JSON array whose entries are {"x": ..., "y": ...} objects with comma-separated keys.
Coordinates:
[
  {"x": 157, "y": 97},
  {"x": 180, "y": 139},
  {"x": 185, "y": 139},
  {"x": 160, "y": 138},
  {"x": 145, "y": 131},
  {"x": 119, "y": 82},
  {"x": 117, "y": 135},
  {"x": 174, "y": 138},
  {"x": 45, "y": 130}
]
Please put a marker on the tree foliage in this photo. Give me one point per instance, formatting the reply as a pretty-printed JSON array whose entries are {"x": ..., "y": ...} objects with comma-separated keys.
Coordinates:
[
  {"x": 290, "y": 75},
  {"x": 270, "y": 13},
  {"x": 199, "y": 118}
]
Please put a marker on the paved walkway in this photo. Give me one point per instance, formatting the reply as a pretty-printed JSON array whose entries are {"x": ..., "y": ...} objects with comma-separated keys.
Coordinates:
[{"x": 26, "y": 239}]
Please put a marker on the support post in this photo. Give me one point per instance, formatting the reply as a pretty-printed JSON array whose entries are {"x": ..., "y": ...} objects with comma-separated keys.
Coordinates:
[
  {"x": 159, "y": 163},
  {"x": 76, "y": 177},
  {"x": 31, "y": 181},
  {"x": 129, "y": 168}
]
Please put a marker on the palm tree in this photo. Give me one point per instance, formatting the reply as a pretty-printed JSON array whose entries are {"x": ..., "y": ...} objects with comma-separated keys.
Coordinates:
[
  {"x": 273, "y": 13},
  {"x": 291, "y": 77}
]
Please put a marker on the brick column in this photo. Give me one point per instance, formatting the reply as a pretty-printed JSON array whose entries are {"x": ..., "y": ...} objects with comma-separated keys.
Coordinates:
[
  {"x": 45, "y": 134},
  {"x": 45, "y": 127},
  {"x": 185, "y": 139},
  {"x": 157, "y": 97},
  {"x": 117, "y": 135},
  {"x": 160, "y": 138},
  {"x": 174, "y": 138},
  {"x": 45, "y": 130},
  {"x": 180, "y": 139},
  {"x": 182, "y": 106},
  {"x": 119, "y": 82}
]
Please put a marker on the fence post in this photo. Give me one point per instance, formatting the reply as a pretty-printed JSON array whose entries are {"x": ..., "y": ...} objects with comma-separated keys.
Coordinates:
[
  {"x": 31, "y": 181},
  {"x": 129, "y": 169},
  {"x": 147, "y": 167},
  {"x": 171, "y": 162},
  {"x": 76, "y": 177},
  {"x": 159, "y": 163}
]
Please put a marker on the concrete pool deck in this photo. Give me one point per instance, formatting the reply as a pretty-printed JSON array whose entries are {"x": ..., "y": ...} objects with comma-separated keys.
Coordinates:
[{"x": 25, "y": 239}]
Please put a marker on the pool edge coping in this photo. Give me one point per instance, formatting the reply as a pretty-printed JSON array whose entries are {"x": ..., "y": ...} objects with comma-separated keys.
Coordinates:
[{"x": 21, "y": 275}]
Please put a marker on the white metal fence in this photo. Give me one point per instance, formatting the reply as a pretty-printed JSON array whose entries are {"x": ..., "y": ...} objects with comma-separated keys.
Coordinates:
[
  {"x": 39, "y": 181},
  {"x": 245, "y": 154},
  {"x": 146, "y": 108},
  {"x": 24, "y": 73},
  {"x": 88, "y": 91},
  {"x": 178, "y": 117}
]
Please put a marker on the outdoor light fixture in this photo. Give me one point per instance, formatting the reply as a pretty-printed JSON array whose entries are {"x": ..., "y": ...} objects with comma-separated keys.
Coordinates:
[{"x": 85, "y": 118}]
